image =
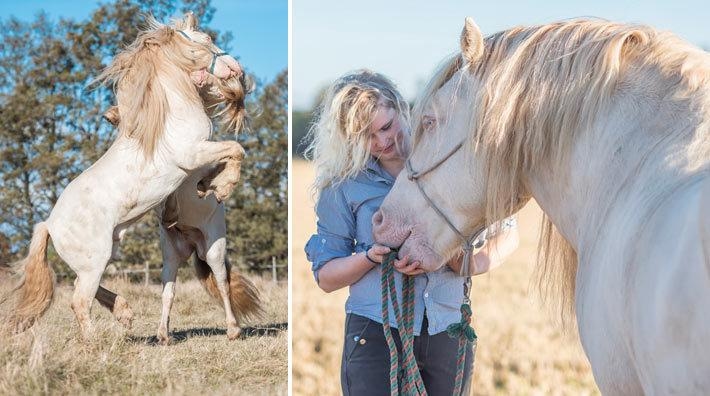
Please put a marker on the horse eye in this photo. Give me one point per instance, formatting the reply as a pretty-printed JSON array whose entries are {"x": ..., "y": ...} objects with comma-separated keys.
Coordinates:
[{"x": 428, "y": 122}]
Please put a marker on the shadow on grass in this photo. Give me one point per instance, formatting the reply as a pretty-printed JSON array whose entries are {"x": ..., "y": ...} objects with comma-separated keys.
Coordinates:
[{"x": 178, "y": 336}]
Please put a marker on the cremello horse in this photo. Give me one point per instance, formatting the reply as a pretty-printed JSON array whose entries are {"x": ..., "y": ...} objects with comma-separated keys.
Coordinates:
[
  {"x": 607, "y": 126},
  {"x": 162, "y": 142},
  {"x": 192, "y": 220}
]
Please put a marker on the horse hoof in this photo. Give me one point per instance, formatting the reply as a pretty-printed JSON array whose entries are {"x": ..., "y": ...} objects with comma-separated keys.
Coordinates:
[
  {"x": 234, "y": 333},
  {"x": 164, "y": 340},
  {"x": 123, "y": 313}
]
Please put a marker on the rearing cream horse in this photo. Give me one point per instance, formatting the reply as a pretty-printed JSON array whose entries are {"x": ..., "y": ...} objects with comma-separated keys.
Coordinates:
[
  {"x": 163, "y": 140},
  {"x": 192, "y": 220},
  {"x": 607, "y": 126}
]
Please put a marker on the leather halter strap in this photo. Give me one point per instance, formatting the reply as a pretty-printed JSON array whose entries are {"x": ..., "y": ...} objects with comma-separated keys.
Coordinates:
[
  {"x": 215, "y": 55},
  {"x": 466, "y": 242}
]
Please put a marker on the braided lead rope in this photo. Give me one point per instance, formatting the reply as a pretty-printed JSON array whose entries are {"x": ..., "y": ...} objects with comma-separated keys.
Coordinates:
[
  {"x": 412, "y": 383},
  {"x": 394, "y": 389},
  {"x": 410, "y": 362},
  {"x": 465, "y": 333}
]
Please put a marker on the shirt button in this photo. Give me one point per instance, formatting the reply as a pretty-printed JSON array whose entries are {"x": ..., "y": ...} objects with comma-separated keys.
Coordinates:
[
  {"x": 426, "y": 295},
  {"x": 363, "y": 341},
  {"x": 322, "y": 240}
]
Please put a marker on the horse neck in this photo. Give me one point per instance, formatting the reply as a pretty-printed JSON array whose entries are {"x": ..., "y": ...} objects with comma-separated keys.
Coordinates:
[
  {"x": 633, "y": 156},
  {"x": 186, "y": 117}
]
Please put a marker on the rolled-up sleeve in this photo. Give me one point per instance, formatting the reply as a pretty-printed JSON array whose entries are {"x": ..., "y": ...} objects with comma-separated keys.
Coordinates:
[{"x": 336, "y": 230}]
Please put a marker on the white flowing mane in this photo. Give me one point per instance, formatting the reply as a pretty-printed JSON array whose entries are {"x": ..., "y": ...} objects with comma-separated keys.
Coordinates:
[
  {"x": 543, "y": 86},
  {"x": 141, "y": 98}
]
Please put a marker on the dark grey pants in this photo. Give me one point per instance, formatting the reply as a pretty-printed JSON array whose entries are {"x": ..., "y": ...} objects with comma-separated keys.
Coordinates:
[{"x": 366, "y": 364}]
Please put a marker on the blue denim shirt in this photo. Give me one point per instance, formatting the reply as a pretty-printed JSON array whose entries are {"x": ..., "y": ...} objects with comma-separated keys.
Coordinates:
[{"x": 345, "y": 227}]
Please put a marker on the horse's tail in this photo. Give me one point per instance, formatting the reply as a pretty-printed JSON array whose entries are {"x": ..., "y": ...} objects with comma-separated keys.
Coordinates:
[
  {"x": 243, "y": 295},
  {"x": 36, "y": 287}
]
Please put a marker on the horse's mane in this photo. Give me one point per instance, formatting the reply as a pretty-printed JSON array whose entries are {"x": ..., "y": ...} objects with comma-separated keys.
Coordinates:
[
  {"x": 224, "y": 100},
  {"x": 141, "y": 98},
  {"x": 541, "y": 87}
]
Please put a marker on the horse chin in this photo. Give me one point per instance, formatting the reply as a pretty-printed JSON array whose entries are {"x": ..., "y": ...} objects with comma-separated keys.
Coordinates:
[{"x": 417, "y": 251}]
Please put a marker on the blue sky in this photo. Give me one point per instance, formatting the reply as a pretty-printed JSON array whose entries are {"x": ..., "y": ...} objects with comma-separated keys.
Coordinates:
[
  {"x": 407, "y": 40},
  {"x": 260, "y": 28}
]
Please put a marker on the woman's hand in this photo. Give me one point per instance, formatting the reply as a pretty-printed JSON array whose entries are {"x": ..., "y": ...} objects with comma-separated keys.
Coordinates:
[
  {"x": 377, "y": 253},
  {"x": 404, "y": 266}
]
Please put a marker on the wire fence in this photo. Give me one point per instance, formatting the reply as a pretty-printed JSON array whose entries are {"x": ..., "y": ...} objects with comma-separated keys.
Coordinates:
[{"x": 147, "y": 271}]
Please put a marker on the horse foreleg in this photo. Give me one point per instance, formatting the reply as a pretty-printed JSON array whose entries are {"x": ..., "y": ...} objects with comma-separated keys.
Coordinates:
[
  {"x": 221, "y": 183},
  {"x": 117, "y": 305},
  {"x": 215, "y": 258},
  {"x": 209, "y": 154}
]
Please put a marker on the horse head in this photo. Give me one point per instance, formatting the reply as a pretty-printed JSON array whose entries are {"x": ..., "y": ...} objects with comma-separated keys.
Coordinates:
[{"x": 438, "y": 203}]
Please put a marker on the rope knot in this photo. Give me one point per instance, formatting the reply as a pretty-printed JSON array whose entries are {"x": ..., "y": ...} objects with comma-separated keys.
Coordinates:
[{"x": 463, "y": 328}]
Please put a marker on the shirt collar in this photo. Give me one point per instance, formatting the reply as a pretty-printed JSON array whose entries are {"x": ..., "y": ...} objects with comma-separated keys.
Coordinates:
[{"x": 375, "y": 171}]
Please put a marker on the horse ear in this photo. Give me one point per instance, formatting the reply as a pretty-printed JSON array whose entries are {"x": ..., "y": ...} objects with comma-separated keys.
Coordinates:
[
  {"x": 191, "y": 20},
  {"x": 471, "y": 41}
]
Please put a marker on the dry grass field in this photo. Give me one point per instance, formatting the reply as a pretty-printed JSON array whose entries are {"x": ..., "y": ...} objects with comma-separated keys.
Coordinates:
[
  {"x": 51, "y": 358},
  {"x": 521, "y": 349}
]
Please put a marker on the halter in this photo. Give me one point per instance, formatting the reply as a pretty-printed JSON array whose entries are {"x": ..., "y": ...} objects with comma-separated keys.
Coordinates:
[
  {"x": 215, "y": 55},
  {"x": 466, "y": 243}
]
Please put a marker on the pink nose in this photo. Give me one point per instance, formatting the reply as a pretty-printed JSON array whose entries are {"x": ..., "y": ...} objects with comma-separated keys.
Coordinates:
[
  {"x": 377, "y": 219},
  {"x": 235, "y": 69},
  {"x": 386, "y": 228}
]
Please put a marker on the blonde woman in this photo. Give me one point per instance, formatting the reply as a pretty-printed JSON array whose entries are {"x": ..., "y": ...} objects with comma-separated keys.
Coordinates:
[{"x": 359, "y": 145}]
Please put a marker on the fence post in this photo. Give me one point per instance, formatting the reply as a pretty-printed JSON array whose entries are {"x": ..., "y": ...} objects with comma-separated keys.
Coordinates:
[
  {"x": 273, "y": 270},
  {"x": 147, "y": 274}
]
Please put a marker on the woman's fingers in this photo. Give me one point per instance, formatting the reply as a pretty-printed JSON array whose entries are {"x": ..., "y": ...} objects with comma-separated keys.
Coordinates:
[
  {"x": 379, "y": 249},
  {"x": 407, "y": 268},
  {"x": 401, "y": 263},
  {"x": 378, "y": 252}
]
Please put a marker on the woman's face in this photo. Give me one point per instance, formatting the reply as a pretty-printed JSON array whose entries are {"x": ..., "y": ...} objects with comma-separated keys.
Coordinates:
[{"x": 385, "y": 131}]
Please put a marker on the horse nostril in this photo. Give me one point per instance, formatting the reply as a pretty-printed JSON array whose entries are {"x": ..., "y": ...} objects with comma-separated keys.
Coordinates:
[{"x": 377, "y": 218}]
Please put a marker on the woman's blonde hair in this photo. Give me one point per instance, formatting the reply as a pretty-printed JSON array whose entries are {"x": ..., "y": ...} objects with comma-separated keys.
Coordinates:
[{"x": 339, "y": 139}]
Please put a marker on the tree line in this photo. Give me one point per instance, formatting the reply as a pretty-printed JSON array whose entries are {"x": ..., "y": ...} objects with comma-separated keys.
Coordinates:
[{"x": 51, "y": 129}]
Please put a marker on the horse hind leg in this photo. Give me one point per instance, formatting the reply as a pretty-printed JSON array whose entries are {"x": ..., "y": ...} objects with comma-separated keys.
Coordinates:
[
  {"x": 237, "y": 294},
  {"x": 113, "y": 302},
  {"x": 85, "y": 288},
  {"x": 117, "y": 305},
  {"x": 219, "y": 279}
]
